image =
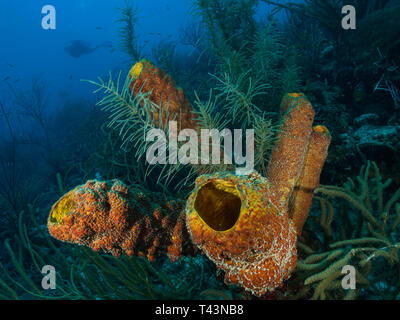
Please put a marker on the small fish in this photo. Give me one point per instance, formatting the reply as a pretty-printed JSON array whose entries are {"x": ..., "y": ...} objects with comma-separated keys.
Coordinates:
[
  {"x": 170, "y": 35},
  {"x": 6, "y": 78},
  {"x": 159, "y": 33},
  {"x": 17, "y": 80},
  {"x": 359, "y": 92},
  {"x": 10, "y": 65},
  {"x": 392, "y": 68},
  {"x": 70, "y": 76},
  {"x": 151, "y": 33},
  {"x": 99, "y": 28}
]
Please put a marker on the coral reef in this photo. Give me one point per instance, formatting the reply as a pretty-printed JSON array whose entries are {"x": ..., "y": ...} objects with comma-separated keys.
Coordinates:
[
  {"x": 106, "y": 215},
  {"x": 273, "y": 234},
  {"x": 266, "y": 257},
  {"x": 240, "y": 222}
]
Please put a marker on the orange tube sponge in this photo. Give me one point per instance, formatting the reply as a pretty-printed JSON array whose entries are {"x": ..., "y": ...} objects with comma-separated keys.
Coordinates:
[
  {"x": 108, "y": 216},
  {"x": 240, "y": 224},
  {"x": 163, "y": 92},
  {"x": 288, "y": 154},
  {"x": 301, "y": 200},
  {"x": 298, "y": 157}
]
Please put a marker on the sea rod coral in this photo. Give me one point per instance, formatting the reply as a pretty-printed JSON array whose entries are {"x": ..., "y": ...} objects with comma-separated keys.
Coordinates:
[{"x": 247, "y": 225}]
